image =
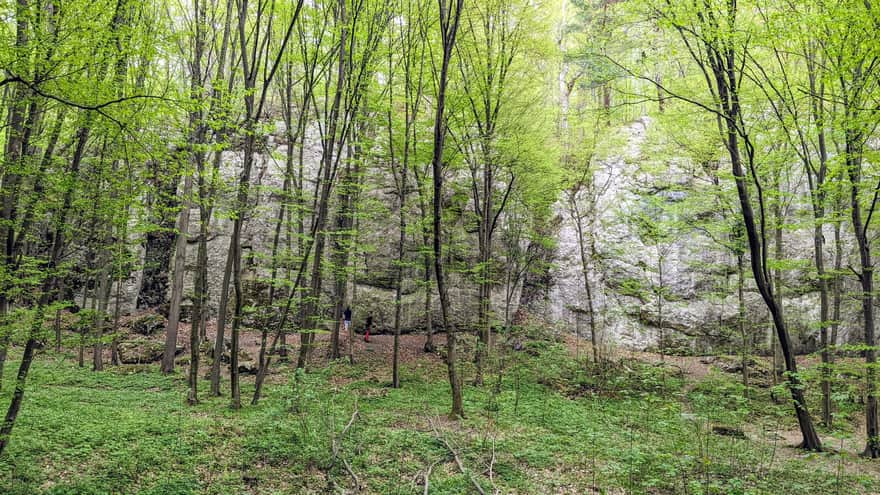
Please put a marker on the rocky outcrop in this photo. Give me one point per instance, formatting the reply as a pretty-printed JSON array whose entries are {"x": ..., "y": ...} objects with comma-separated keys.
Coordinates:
[
  {"x": 699, "y": 308},
  {"x": 699, "y": 305}
]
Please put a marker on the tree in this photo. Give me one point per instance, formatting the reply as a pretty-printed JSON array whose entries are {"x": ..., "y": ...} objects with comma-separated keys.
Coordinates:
[
  {"x": 109, "y": 37},
  {"x": 258, "y": 64},
  {"x": 853, "y": 58},
  {"x": 450, "y": 15},
  {"x": 412, "y": 65},
  {"x": 713, "y": 37}
]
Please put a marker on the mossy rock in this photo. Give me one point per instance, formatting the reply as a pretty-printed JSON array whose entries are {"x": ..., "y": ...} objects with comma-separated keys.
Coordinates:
[
  {"x": 139, "y": 351},
  {"x": 148, "y": 324}
]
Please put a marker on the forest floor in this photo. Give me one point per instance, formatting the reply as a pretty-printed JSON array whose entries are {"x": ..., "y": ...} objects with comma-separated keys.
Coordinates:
[{"x": 547, "y": 421}]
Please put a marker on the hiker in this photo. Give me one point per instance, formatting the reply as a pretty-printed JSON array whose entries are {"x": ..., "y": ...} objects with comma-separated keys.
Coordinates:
[
  {"x": 346, "y": 318},
  {"x": 369, "y": 326}
]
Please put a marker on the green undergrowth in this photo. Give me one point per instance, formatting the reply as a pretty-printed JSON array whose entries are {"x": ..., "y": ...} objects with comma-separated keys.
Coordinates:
[{"x": 545, "y": 424}]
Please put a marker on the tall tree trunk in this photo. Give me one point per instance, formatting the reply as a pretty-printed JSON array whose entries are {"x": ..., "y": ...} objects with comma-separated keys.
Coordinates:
[
  {"x": 585, "y": 272},
  {"x": 720, "y": 60},
  {"x": 741, "y": 318},
  {"x": 105, "y": 283},
  {"x": 779, "y": 254},
  {"x": 811, "y": 439},
  {"x": 400, "y": 178},
  {"x": 235, "y": 255},
  {"x": 311, "y": 319},
  {"x": 866, "y": 279},
  {"x": 342, "y": 244},
  {"x": 819, "y": 255},
  {"x": 449, "y": 19},
  {"x": 426, "y": 272},
  {"x": 819, "y": 196},
  {"x": 253, "y": 64},
  {"x": 219, "y": 338},
  {"x": 197, "y": 158},
  {"x": 837, "y": 296},
  {"x": 114, "y": 332},
  {"x": 206, "y": 202},
  {"x": 177, "y": 285},
  {"x": 485, "y": 272}
]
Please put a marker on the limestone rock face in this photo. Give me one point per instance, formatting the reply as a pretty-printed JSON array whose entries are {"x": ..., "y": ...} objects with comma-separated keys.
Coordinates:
[{"x": 624, "y": 271}]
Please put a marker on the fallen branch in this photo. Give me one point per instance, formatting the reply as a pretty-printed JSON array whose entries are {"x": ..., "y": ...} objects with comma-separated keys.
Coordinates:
[
  {"x": 452, "y": 451},
  {"x": 357, "y": 482},
  {"x": 428, "y": 476},
  {"x": 492, "y": 466},
  {"x": 335, "y": 447}
]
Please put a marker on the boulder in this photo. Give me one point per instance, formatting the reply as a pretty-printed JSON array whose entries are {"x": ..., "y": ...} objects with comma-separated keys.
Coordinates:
[
  {"x": 734, "y": 364},
  {"x": 139, "y": 351},
  {"x": 248, "y": 367},
  {"x": 148, "y": 324}
]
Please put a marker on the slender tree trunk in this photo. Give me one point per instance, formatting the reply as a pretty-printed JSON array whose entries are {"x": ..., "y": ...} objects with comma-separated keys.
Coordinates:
[
  {"x": 818, "y": 240},
  {"x": 660, "y": 288},
  {"x": 426, "y": 280},
  {"x": 401, "y": 244},
  {"x": 219, "y": 338},
  {"x": 82, "y": 328},
  {"x": 18, "y": 395},
  {"x": 342, "y": 244},
  {"x": 449, "y": 19},
  {"x": 329, "y": 151},
  {"x": 484, "y": 287},
  {"x": 819, "y": 196},
  {"x": 585, "y": 271},
  {"x": 866, "y": 279},
  {"x": 837, "y": 297},
  {"x": 811, "y": 439},
  {"x": 105, "y": 283},
  {"x": 197, "y": 158},
  {"x": 779, "y": 254},
  {"x": 177, "y": 284},
  {"x": 206, "y": 195},
  {"x": 741, "y": 319},
  {"x": 262, "y": 359},
  {"x": 57, "y": 329},
  {"x": 235, "y": 256},
  {"x": 720, "y": 61},
  {"x": 114, "y": 342}
]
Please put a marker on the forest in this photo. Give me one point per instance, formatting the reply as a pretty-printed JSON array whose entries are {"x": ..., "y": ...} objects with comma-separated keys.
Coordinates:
[{"x": 439, "y": 246}]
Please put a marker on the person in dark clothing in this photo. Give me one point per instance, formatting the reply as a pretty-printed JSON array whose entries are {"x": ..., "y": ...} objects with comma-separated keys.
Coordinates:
[
  {"x": 346, "y": 318},
  {"x": 369, "y": 327}
]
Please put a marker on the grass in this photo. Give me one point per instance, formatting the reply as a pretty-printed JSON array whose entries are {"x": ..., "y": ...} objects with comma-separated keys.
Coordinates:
[{"x": 555, "y": 426}]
